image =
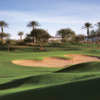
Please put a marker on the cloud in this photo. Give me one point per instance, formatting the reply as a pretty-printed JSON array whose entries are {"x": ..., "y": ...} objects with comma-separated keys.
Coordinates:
[
  {"x": 49, "y": 19},
  {"x": 56, "y": 12},
  {"x": 24, "y": 17}
]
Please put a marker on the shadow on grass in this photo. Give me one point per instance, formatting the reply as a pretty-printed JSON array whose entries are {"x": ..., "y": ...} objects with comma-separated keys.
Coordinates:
[
  {"x": 4, "y": 48},
  {"x": 83, "y": 67},
  {"x": 37, "y": 49},
  {"x": 80, "y": 90},
  {"x": 14, "y": 84}
]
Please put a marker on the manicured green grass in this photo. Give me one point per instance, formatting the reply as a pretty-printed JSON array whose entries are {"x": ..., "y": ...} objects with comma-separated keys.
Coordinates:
[{"x": 77, "y": 82}]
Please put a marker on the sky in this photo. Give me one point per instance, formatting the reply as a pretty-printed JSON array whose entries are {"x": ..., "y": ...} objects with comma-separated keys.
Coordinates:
[{"x": 52, "y": 15}]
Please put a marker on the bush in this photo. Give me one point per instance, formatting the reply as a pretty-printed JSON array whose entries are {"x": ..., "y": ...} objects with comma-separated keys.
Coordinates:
[
  {"x": 28, "y": 40},
  {"x": 56, "y": 44},
  {"x": 10, "y": 42},
  {"x": 21, "y": 43}
]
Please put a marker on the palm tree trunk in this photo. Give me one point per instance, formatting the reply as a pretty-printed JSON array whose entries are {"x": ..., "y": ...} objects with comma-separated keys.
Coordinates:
[
  {"x": 33, "y": 27},
  {"x": 34, "y": 39},
  {"x": 87, "y": 38},
  {"x": 21, "y": 37},
  {"x": 2, "y": 29},
  {"x": 97, "y": 40},
  {"x": 2, "y": 33}
]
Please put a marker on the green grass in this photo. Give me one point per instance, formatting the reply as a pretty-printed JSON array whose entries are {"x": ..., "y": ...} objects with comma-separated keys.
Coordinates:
[{"x": 77, "y": 82}]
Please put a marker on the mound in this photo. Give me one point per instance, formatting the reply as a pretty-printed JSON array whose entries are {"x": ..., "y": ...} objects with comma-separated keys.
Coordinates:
[
  {"x": 81, "y": 90},
  {"x": 57, "y": 62},
  {"x": 83, "y": 67},
  {"x": 43, "y": 80}
]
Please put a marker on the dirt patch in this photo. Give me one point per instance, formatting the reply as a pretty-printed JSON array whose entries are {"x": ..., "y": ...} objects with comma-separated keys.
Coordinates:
[{"x": 57, "y": 62}]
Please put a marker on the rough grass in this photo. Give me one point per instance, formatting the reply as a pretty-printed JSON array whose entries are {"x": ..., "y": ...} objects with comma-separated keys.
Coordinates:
[{"x": 77, "y": 82}]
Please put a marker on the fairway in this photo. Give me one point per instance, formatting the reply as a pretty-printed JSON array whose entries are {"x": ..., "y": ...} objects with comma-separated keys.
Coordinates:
[{"x": 79, "y": 80}]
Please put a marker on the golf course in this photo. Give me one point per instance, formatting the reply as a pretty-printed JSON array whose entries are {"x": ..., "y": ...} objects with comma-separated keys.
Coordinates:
[
  {"x": 60, "y": 72},
  {"x": 50, "y": 50}
]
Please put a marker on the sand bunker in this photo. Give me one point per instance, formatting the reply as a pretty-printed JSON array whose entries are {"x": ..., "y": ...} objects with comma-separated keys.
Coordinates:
[{"x": 57, "y": 62}]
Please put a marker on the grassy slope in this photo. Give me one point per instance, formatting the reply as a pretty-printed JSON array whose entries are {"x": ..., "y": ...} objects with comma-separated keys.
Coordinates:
[{"x": 78, "y": 82}]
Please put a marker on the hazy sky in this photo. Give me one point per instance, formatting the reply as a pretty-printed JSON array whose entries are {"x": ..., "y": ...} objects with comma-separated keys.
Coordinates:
[{"x": 52, "y": 15}]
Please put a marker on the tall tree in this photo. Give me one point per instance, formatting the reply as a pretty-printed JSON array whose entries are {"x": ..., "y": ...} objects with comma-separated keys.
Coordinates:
[
  {"x": 20, "y": 34},
  {"x": 65, "y": 33},
  {"x": 45, "y": 37},
  {"x": 40, "y": 35},
  {"x": 28, "y": 38},
  {"x": 93, "y": 33},
  {"x": 2, "y": 25},
  {"x": 98, "y": 33},
  {"x": 80, "y": 37},
  {"x": 2, "y": 35},
  {"x": 87, "y": 25},
  {"x": 98, "y": 28},
  {"x": 10, "y": 42},
  {"x": 33, "y": 24}
]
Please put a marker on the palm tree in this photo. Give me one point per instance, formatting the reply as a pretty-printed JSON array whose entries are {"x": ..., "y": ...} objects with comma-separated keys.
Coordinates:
[
  {"x": 98, "y": 30},
  {"x": 20, "y": 34},
  {"x": 87, "y": 25},
  {"x": 2, "y": 25},
  {"x": 33, "y": 24},
  {"x": 98, "y": 24},
  {"x": 98, "y": 33}
]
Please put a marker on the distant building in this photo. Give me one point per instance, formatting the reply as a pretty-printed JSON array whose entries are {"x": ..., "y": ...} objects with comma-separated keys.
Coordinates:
[{"x": 55, "y": 38}]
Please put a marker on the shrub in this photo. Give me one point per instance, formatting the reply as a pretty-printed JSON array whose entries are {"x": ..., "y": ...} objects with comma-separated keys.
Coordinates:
[{"x": 21, "y": 43}]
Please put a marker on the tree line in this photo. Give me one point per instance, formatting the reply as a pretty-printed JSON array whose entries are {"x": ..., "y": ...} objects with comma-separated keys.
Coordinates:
[
  {"x": 92, "y": 33},
  {"x": 40, "y": 36}
]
